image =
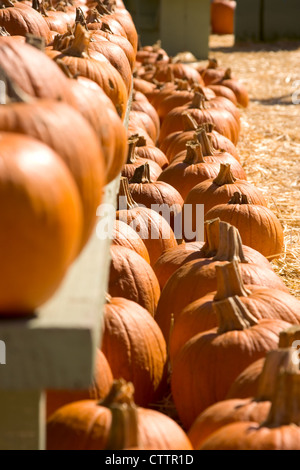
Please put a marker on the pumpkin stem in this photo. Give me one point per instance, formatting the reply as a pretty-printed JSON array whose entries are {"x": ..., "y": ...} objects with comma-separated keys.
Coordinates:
[
  {"x": 79, "y": 18},
  {"x": 229, "y": 282},
  {"x": 288, "y": 336},
  {"x": 212, "y": 237},
  {"x": 230, "y": 246},
  {"x": 189, "y": 123},
  {"x": 80, "y": 43},
  {"x": 212, "y": 64},
  {"x": 101, "y": 8},
  {"x": 198, "y": 101},
  {"x": 3, "y": 31},
  {"x": 182, "y": 85},
  {"x": 124, "y": 426},
  {"x": 156, "y": 46},
  {"x": 132, "y": 143},
  {"x": 238, "y": 198},
  {"x": 125, "y": 195},
  {"x": 227, "y": 74},
  {"x": 225, "y": 175},
  {"x": 141, "y": 141},
  {"x": 10, "y": 92},
  {"x": 205, "y": 142},
  {"x": 65, "y": 68},
  {"x": 6, "y": 4},
  {"x": 233, "y": 315},
  {"x": 285, "y": 407},
  {"x": 276, "y": 362},
  {"x": 141, "y": 175},
  {"x": 194, "y": 153}
]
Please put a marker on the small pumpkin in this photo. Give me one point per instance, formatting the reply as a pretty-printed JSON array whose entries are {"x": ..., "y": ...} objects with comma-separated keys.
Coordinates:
[
  {"x": 132, "y": 278},
  {"x": 151, "y": 226},
  {"x": 236, "y": 86},
  {"x": 141, "y": 104},
  {"x": 157, "y": 193},
  {"x": 91, "y": 425},
  {"x": 99, "y": 389},
  {"x": 150, "y": 152},
  {"x": 134, "y": 160},
  {"x": 216, "y": 357},
  {"x": 222, "y": 16},
  {"x": 135, "y": 348},
  {"x": 258, "y": 226}
]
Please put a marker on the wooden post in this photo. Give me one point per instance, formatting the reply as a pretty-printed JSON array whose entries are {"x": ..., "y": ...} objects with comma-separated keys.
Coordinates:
[
  {"x": 248, "y": 20},
  {"x": 185, "y": 26}
]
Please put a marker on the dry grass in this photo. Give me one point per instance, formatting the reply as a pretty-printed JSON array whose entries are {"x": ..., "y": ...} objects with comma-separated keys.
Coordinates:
[{"x": 270, "y": 138}]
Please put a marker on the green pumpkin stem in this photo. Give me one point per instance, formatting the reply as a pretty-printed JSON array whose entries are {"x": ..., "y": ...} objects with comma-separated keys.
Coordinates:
[
  {"x": 225, "y": 175},
  {"x": 229, "y": 282},
  {"x": 233, "y": 315}
]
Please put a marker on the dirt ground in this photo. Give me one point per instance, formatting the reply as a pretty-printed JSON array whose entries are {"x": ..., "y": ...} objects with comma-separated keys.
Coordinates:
[{"x": 270, "y": 139}]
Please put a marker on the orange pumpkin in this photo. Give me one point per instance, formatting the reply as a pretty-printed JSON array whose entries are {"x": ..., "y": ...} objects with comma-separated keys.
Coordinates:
[{"x": 124, "y": 235}]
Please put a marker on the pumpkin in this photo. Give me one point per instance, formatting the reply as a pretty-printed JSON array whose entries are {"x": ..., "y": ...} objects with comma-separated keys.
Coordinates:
[
  {"x": 89, "y": 98},
  {"x": 135, "y": 348},
  {"x": 20, "y": 19},
  {"x": 141, "y": 104},
  {"x": 247, "y": 409},
  {"x": 224, "y": 121},
  {"x": 152, "y": 54},
  {"x": 95, "y": 18},
  {"x": 71, "y": 137},
  {"x": 220, "y": 190},
  {"x": 222, "y": 16},
  {"x": 143, "y": 119},
  {"x": 191, "y": 168},
  {"x": 91, "y": 425},
  {"x": 260, "y": 302},
  {"x": 33, "y": 71},
  {"x": 197, "y": 278},
  {"x": 280, "y": 431},
  {"x": 212, "y": 72},
  {"x": 157, "y": 193},
  {"x": 246, "y": 384},
  {"x": 57, "y": 21},
  {"x": 225, "y": 92},
  {"x": 134, "y": 160},
  {"x": 181, "y": 71},
  {"x": 176, "y": 142},
  {"x": 120, "y": 41},
  {"x": 150, "y": 152},
  {"x": 124, "y": 18},
  {"x": 151, "y": 226},
  {"x": 100, "y": 387},
  {"x": 98, "y": 68},
  {"x": 133, "y": 278},
  {"x": 124, "y": 235},
  {"x": 38, "y": 242},
  {"x": 143, "y": 86},
  {"x": 236, "y": 86},
  {"x": 258, "y": 226},
  {"x": 216, "y": 357}
]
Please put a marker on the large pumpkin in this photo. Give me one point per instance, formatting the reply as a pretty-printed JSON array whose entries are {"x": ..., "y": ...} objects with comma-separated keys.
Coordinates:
[
  {"x": 131, "y": 277},
  {"x": 216, "y": 357},
  {"x": 92, "y": 425},
  {"x": 38, "y": 241},
  {"x": 135, "y": 348}
]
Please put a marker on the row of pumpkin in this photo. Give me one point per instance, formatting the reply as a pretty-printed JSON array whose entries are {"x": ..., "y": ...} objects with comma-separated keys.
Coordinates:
[
  {"x": 199, "y": 317},
  {"x": 197, "y": 313}
]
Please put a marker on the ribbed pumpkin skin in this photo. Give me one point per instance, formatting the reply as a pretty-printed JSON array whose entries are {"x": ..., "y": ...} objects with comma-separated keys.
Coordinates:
[
  {"x": 119, "y": 41},
  {"x": 246, "y": 384},
  {"x": 258, "y": 226},
  {"x": 262, "y": 303},
  {"x": 210, "y": 194},
  {"x": 89, "y": 98},
  {"x": 224, "y": 413},
  {"x": 124, "y": 18},
  {"x": 86, "y": 426},
  {"x": 153, "y": 229},
  {"x": 131, "y": 277},
  {"x": 63, "y": 129},
  {"x": 102, "y": 382},
  {"x": 37, "y": 240},
  {"x": 125, "y": 236},
  {"x": 252, "y": 436},
  {"x": 152, "y": 153},
  {"x": 198, "y": 278},
  {"x": 135, "y": 349},
  {"x": 21, "y": 19},
  {"x": 216, "y": 360},
  {"x": 172, "y": 259},
  {"x": 224, "y": 91},
  {"x": 31, "y": 70}
]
